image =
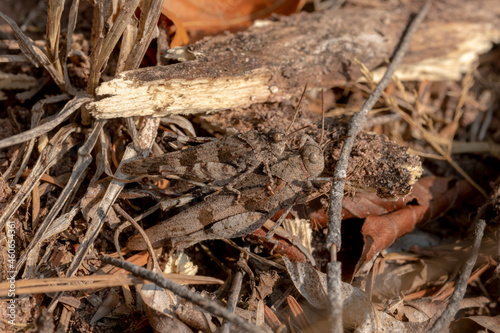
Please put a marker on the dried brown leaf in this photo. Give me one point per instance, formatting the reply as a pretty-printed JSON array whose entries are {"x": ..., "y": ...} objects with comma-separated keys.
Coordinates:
[
  {"x": 271, "y": 319},
  {"x": 199, "y": 320},
  {"x": 109, "y": 303},
  {"x": 213, "y": 16},
  {"x": 434, "y": 196},
  {"x": 298, "y": 314},
  {"x": 357, "y": 309},
  {"x": 277, "y": 245},
  {"x": 476, "y": 324},
  {"x": 160, "y": 307},
  {"x": 423, "y": 310},
  {"x": 181, "y": 37},
  {"x": 310, "y": 282}
]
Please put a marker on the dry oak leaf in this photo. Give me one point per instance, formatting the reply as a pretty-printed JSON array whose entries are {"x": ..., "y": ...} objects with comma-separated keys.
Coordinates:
[
  {"x": 205, "y": 17},
  {"x": 430, "y": 198},
  {"x": 358, "y": 312},
  {"x": 476, "y": 324}
]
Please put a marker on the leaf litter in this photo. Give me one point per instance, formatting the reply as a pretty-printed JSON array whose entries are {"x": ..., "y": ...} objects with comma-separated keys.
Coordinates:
[{"x": 61, "y": 233}]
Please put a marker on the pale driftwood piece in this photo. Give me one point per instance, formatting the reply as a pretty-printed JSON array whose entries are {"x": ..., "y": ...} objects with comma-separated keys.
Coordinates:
[{"x": 273, "y": 60}]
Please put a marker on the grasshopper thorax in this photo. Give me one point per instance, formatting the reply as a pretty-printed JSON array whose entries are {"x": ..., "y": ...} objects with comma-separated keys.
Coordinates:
[{"x": 312, "y": 156}]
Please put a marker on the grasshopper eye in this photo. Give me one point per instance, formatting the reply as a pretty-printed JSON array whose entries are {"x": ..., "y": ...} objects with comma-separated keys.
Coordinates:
[
  {"x": 313, "y": 158},
  {"x": 277, "y": 137}
]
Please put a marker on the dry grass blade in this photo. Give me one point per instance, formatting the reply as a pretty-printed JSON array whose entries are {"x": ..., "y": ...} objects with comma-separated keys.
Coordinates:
[
  {"x": 41, "y": 286},
  {"x": 79, "y": 169},
  {"x": 150, "y": 13},
  {"x": 35, "y": 205},
  {"x": 57, "y": 146},
  {"x": 105, "y": 46},
  {"x": 31, "y": 258},
  {"x": 36, "y": 115},
  {"x": 128, "y": 39},
  {"x": 54, "y": 14},
  {"x": 13, "y": 58},
  {"x": 142, "y": 144},
  {"x": 71, "y": 28},
  {"x": 151, "y": 10},
  {"x": 146, "y": 139},
  {"x": 16, "y": 81},
  {"x": 49, "y": 125},
  {"x": 476, "y": 147},
  {"x": 33, "y": 52}
]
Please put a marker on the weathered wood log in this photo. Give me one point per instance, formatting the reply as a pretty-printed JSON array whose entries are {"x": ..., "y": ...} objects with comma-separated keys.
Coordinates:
[{"x": 272, "y": 61}]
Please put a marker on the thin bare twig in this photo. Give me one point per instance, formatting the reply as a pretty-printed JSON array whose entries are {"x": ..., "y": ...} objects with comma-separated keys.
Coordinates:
[
  {"x": 234, "y": 295},
  {"x": 356, "y": 124},
  {"x": 184, "y": 292},
  {"x": 461, "y": 285},
  {"x": 136, "y": 225},
  {"x": 124, "y": 225}
]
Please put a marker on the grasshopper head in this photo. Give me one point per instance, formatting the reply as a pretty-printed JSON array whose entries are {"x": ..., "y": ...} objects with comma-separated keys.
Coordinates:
[
  {"x": 278, "y": 142},
  {"x": 312, "y": 156}
]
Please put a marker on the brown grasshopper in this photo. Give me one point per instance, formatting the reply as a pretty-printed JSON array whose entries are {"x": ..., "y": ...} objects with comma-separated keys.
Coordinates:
[
  {"x": 224, "y": 216},
  {"x": 218, "y": 163}
]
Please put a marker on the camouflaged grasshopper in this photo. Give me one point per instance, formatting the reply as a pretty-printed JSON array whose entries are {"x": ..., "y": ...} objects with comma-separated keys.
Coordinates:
[
  {"x": 223, "y": 215},
  {"x": 218, "y": 163}
]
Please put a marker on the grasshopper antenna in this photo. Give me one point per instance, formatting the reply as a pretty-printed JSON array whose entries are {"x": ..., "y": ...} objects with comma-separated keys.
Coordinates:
[
  {"x": 300, "y": 129},
  {"x": 297, "y": 109},
  {"x": 322, "y": 120}
]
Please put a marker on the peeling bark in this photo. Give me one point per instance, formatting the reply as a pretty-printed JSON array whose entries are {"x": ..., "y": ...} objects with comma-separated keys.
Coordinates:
[{"x": 271, "y": 61}]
